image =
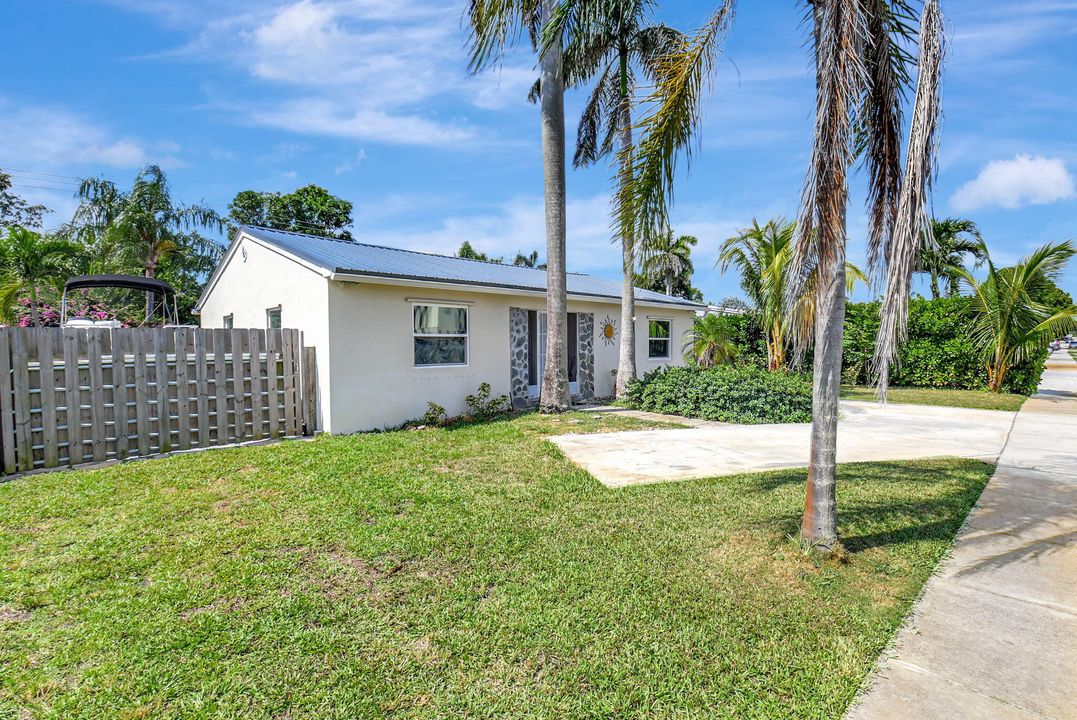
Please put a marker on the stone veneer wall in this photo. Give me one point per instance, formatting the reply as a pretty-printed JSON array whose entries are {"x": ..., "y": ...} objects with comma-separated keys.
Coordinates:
[
  {"x": 585, "y": 354},
  {"x": 518, "y": 356}
]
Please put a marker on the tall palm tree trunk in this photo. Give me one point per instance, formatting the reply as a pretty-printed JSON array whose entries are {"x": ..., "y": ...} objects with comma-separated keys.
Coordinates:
[
  {"x": 819, "y": 524},
  {"x": 554, "y": 396},
  {"x": 626, "y": 359}
]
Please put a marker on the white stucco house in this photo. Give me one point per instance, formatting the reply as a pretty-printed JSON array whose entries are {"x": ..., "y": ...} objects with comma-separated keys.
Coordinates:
[{"x": 394, "y": 329}]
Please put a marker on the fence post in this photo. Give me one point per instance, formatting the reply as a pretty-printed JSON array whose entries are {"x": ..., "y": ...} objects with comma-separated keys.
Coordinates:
[
  {"x": 7, "y": 425},
  {"x": 310, "y": 387}
]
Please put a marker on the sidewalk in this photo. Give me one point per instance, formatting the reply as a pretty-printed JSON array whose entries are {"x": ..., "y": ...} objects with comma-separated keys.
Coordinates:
[{"x": 995, "y": 634}]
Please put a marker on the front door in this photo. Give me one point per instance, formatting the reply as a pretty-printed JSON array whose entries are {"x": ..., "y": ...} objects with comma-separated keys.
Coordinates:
[{"x": 537, "y": 333}]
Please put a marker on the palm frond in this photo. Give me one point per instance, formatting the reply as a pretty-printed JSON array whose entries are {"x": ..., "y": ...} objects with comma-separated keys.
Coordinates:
[
  {"x": 912, "y": 217},
  {"x": 682, "y": 77}
]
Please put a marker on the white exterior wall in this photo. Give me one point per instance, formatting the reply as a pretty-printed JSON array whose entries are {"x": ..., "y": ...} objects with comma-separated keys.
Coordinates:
[
  {"x": 373, "y": 378},
  {"x": 247, "y": 288}
]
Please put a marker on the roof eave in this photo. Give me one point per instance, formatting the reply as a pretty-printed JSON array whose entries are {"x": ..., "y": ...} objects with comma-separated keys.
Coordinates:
[{"x": 350, "y": 275}]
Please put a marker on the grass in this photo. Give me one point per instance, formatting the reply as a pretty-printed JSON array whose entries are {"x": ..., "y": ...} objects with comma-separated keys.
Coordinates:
[
  {"x": 464, "y": 572},
  {"x": 978, "y": 399},
  {"x": 1073, "y": 354}
]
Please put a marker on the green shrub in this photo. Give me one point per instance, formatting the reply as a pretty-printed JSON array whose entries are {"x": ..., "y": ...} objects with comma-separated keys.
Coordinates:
[
  {"x": 938, "y": 353},
  {"x": 435, "y": 414},
  {"x": 482, "y": 406},
  {"x": 747, "y": 395}
]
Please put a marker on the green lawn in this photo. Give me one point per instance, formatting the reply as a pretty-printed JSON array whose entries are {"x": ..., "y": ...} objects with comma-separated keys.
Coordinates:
[
  {"x": 465, "y": 572},
  {"x": 979, "y": 399},
  {"x": 1073, "y": 354}
]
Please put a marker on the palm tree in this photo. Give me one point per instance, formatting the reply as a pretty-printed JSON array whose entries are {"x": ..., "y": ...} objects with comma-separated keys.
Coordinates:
[
  {"x": 763, "y": 255},
  {"x": 665, "y": 258},
  {"x": 29, "y": 261},
  {"x": 709, "y": 343},
  {"x": 529, "y": 261},
  {"x": 493, "y": 25},
  {"x": 863, "y": 69},
  {"x": 942, "y": 256},
  {"x": 140, "y": 227},
  {"x": 613, "y": 42},
  {"x": 1009, "y": 326}
]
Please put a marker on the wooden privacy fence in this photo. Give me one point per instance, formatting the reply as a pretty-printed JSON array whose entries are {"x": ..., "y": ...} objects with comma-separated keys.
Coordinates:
[{"x": 69, "y": 396}]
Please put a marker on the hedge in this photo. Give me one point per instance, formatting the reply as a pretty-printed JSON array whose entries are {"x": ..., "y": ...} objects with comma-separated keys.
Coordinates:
[
  {"x": 938, "y": 353},
  {"x": 747, "y": 394}
]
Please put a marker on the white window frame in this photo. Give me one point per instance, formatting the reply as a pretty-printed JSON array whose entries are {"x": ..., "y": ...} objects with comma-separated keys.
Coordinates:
[
  {"x": 466, "y": 335},
  {"x": 228, "y": 321},
  {"x": 276, "y": 309},
  {"x": 669, "y": 339}
]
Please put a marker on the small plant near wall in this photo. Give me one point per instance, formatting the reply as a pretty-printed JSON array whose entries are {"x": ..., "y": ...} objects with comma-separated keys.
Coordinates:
[
  {"x": 435, "y": 414},
  {"x": 482, "y": 406}
]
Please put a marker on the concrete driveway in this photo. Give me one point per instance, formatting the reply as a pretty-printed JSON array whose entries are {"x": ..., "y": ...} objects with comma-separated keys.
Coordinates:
[{"x": 867, "y": 431}]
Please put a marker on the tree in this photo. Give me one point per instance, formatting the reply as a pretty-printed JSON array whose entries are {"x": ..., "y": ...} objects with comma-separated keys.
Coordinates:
[
  {"x": 1009, "y": 324},
  {"x": 139, "y": 229},
  {"x": 665, "y": 258},
  {"x": 29, "y": 261},
  {"x": 493, "y": 24},
  {"x": 763, "y": 255},
  {"x": 946, "y": 243},
  {"x": 709, "y": 342},
  {"x": 529, "y": 261},
  {"x": 16, "y": 211},
  {"x": 310, "y": 209},
  {"x": 468, "y": 252},
  {"x": 612, "y": 43},
  {"x": 863, "y": 70}
]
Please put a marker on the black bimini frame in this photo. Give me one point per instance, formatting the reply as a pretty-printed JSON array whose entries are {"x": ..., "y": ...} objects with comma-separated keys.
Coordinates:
[{"x": 158, "y": 290}]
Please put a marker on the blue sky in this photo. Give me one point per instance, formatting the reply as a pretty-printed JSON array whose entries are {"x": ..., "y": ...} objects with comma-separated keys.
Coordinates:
[{"x": 371, "y": 99}]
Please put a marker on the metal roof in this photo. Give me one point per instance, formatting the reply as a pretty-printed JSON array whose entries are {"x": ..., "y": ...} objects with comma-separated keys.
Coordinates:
[{"x": 348, "y": 257}]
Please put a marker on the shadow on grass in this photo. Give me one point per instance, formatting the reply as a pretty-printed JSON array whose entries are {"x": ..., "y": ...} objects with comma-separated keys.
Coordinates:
[{"x": 886, "y": 523}]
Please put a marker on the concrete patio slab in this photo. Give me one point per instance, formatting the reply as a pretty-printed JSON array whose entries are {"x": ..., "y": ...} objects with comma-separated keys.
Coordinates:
[
  {"x": 995, "y": 633},
  {"x": 867, "y": 432}
]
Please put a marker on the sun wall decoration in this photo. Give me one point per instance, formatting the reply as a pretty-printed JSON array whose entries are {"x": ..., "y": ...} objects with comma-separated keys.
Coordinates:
[{"x": 608, "y": 330}]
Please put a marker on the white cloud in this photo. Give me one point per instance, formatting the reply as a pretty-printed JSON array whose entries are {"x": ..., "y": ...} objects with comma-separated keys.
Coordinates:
[
  {"x": 52, "y": 137},
  {"x": 1010, "y": 184},
  {"x": 356, "y": 68}
]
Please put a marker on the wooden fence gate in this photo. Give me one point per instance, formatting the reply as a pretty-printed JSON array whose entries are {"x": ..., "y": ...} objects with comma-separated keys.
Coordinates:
[{"x": 69, "y": 396}]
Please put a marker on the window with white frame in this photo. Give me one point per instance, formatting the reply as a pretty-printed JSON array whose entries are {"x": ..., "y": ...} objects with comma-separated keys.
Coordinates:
[
  {"x": 273, "y": 318},
  {"x": 439, "y": 334},
  {"x": 229, "y": 321},
  {"x": 658, "y": 339}
]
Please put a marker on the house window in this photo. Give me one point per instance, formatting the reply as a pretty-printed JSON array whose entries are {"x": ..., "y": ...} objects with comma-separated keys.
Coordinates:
[
  {"x": 229, "y": 322},
  {"x": 273, "y": 318},
  {"x": 658, "y": 332},
  {"x": 439, "y": 334}
]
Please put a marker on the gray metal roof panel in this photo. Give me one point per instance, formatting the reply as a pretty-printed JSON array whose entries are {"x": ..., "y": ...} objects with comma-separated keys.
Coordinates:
[{"x": 354, "y": 258}]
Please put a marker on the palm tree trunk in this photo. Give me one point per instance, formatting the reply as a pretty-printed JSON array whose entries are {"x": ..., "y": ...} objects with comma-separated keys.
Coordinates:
[
  {"x": 554, "y": 396},
  {"x": 626, "y": 359},
  {"x": 820, "y": 523},
  {"x": 934, "y": 286},
  {"x": 669, "y": 283}
]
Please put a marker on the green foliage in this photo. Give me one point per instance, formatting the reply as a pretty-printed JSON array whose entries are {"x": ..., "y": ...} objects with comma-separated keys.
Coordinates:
[
  {"x": 747, "y": 337},
  {"x": 144, "y": 231},
  {"x": 435, "y": 414},
  {"x": 29, "y": 264},
  {"x": 468, "y": 252},
  {"x": 666, "y": 265},
  {"x": 311, "y": 209},
  {"x": 16, "y": 211},
  {"x": 746, "y": 395},
  {"x": 943, "y": 254},
  {"x": 939, "y": 352},
  {"x": 484, "y": 407},
  {"x": 709, "y": 342}
]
